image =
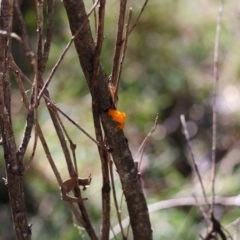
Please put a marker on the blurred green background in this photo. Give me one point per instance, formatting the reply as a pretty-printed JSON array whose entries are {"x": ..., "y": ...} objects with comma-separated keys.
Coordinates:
[{"x": 168, "y": 70}]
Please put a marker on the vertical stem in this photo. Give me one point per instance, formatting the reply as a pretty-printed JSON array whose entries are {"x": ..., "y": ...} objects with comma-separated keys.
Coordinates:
[
  {"x": 105, "y": 225},
  {"x": 214, "y": 124},
  {"x": 119, "y": 42},
  {"x": 14, "y": 167}
]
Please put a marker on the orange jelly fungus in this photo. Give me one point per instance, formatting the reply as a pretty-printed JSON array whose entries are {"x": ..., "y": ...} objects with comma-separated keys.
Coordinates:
[{"x": 118, "y": 117}]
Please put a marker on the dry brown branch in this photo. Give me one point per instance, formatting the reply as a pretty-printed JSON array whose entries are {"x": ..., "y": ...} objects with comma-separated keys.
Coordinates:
[
  {"x": 202, "y": 210},
  {"x": 39, "y": 7},
  {"x": 95, "y": 19},
  {"x": 57, "y": 174},
  {"x": 89, "y": 56},
  {"x": 25, "y": 39},
  {"x": 118, "y": 44},
  {"x": 115, "y": 137},
  {"x": 123, "y": 54},
  {"x": 52, "y": 111},
  {"x": 14, "y": 166},
  {"x": 72, "y": 171},
  {"x": 49, "y": 32},
  {"x": 72, "y": 145},
  {"x": 14, "y": 67},
  {"x": 118, "y": 211},
  {"x": 27, "y": 165},
  {"x": 48, "y": 154},
  {"x": 105, "y": 224},
  {"x": 30, "y": 116},
  {"x": 54, "y": 69},
  {"x": 138, "y": 17},
  {"x": 18, "y": 79},
  {"x": 73, "y": 122}
]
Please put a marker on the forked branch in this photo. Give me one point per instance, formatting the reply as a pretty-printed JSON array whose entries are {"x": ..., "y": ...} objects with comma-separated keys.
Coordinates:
[{"x": 115, "y": 137}]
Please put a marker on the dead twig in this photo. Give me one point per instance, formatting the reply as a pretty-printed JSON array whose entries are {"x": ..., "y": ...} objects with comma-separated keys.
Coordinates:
[
  {"x": 115, "y": 137},
  {"x": 18, "y": 79},
  {"x": 138, "y": 17},
  {"x": 57, "y": 174},
  {"x": 30, "y": 116},
  {"x": 54, "y": 69},
  {"x": 214, "y": 104},
  {"x": 215, "y": 227},
  {"x": 123, "y": 55},
  {"x": 13, "y": 166},
  {"x": 12, "y": 35},
  {"x": 95, "y": 19},
  {"x": 14, "y": 67},
  {"x": 25, "y": 39},
  {"x": 200, "y": 207},
  {"x": 118, "y": 45},
  {"x": 233, "y": 201},
  {"x": 72, "y": 145},
  {"x": 105, "y": 224},
  {"x": 49, "y": 32},
  {"x": 146, "y": 140},
  {"x": 118, "y": 210},
  {"x": 194, "y": 164}
]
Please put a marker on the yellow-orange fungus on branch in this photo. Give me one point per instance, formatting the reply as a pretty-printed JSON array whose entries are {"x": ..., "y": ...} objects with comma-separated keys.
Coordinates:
[{"x": 118, "y": 117}]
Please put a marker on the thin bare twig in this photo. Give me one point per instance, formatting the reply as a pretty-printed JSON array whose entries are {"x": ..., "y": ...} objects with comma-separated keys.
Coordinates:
[
  {"x": 138, "y": 163},
  {"x": 30, "y": 116},
  {"x": 12, "y": 35},
  {"x": 178, "y": 202},
  {"x": 200, "y": 206},
  {"x": 118, "y": 43},
  {"x": 37, "y": 80},
  {"x": 121, "y": 201},
  {"x": 57, "y": 174},
  {"x": 49, "y": 32},
  {"x": 71, "y": 169},
  {"x": 114, "y": 235},
  {"x": 73, "y": 122},
  {"x": 195, "y": 167},
  {"x": 115, "y": 200},
  {"x": 18, "y": 79},
  {"x": 54, "y": 69},
  {"x": 25, "y": 38},
  {"x": 14, "y": 67},
  {"x": 76, "y": 213},
  {"x": 72, "y": 172},
  {"x": 72, "y": 145},
  {"x": 145, "y": 142},
  {"x": 138, "y": 17},
  {"x": 48, "y": 155},
  {"x": 27, "y": 165},
  {"x": 95, "y": 19},
  {"x": 39, "y": 6},
  {"x": 104, "y": 155},
  {"x": 123, "y": 53},
  {"x": 40, "y": 68},
  {"x": 214, "y": 106}
]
